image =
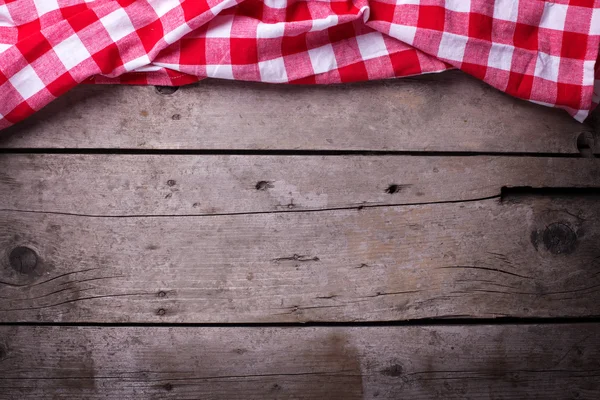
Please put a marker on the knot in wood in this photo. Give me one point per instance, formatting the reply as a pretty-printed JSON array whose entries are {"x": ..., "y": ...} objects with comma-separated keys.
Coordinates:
[
  {"x": 586, "y": 144},
  {"x": 166, "y": 89},
  {"x": 23, "y": 260},
  {"x": 393, "y": 188},
  {"x": 394, "y": 370},
  {"x": 559, "y": 238},
  {"x": 264, "y": 185}
]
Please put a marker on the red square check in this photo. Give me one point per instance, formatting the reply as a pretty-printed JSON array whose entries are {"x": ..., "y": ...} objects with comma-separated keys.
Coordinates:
[
  {"x": 151, "y": 34},
  {"x": 480, "y": 26},
  {"x": 570, "y": 48},
  {"x": 29, "y": 29},
  {"x": 520, "y": 85},
  {"x": 243, "y": 51},
  {"x": 62, "y": 84},
  {"x": 193, "y": 51},
  {"x": 566, "y": 93},
  {"x": 354, "y": 72},
  {"x": 405, "y": 63},
  {"x": 82, "y": 20},
  {"x": 293, "y": 44},
  {"x": 20, "y": 112},
  {"x": 476, "y": 70},
  {"x": 108, "y": 58},
  {"x": 34, "y": 46},
  {"x": 383, "y": 11},
  {"x": 432, "y": 17},
  {"x": 526, "y": 36}
]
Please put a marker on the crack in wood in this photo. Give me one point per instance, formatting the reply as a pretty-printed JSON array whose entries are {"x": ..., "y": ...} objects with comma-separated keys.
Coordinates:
[
  {"x": 379, "y": 294},
  {"x": 485, "y": 269},
  {"x": 296, "y": 257},
  {"x": 75, "y": 300},
  {"x": 50, "y": 294},
  {"x": 282, "y": 211}
]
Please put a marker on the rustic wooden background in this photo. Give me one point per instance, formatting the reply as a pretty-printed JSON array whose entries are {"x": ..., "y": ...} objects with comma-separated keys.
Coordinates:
[{"x": 420, "y": 238}]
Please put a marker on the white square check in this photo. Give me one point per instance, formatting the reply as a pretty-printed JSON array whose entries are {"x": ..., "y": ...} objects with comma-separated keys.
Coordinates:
[
  {"x": 4, "y": 47},
  {"x": 371, "y": 45},
  {"x": 273, "y": 71},
  {"x": 45, "y": 6},
  {"x": 5, "y": 18},
  {"x": 581, "y": 115},
  {"x": 221, "y": 5},
  {"x": 220, "y": 27},
  {"x": 589, "y": 72},
  {"x": 137, "y": 63},
  {"x": 175, "y": 67},
  {"x": 276, "y": 3},
  {"x": 595, "y": 26},
  {"x": 542, "y": 103},
  {"x": 500, "y": 56},
  {"x": 403, "y": 33},
  {"x": 27, "y": 82},
  {"x": 506, "y": 10},
  {"x": 269, "y": 31},
  {"x": 177, "y": 33},
  {"x": 323, "y": 23},
  {"x": 554, "y": 16},
  {"x": 117, "y": 24},
  {"x": 322, "y": 59},
  {"x": 222, "y": 71},
  {"x": 547, "y": 66},
  {"x": 71, "y": 51},
  {"x": 161, "y": 7},
  {"x": 458, "y": 5},
  {"x": 148, "y": 68},
  {"x": 452, "y": 47}
]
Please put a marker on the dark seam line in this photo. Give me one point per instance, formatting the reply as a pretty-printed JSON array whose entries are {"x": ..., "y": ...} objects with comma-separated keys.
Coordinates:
[
  {"x": 284, "y": 152},
  {"x": 438, "y": 321}
]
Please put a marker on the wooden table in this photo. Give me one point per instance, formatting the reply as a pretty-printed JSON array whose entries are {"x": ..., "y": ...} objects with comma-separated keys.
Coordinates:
[{"x": 418, "y": 238}]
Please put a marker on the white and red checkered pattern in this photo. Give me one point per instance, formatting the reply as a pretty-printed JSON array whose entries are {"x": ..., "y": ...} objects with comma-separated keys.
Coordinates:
[{"x": 542, "y": 51}]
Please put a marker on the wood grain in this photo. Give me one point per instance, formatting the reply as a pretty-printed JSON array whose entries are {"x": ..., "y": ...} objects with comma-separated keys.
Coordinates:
[
  {"x": 439, "y": 112},
  {"x": 526, "y": 256},
  {"x": 128, "y": 185},
  {"x": 346, "y": 363}
]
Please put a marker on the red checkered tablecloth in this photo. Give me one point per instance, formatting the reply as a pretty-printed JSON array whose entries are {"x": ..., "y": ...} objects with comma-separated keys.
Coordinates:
[{"x": 542, "y": 51}]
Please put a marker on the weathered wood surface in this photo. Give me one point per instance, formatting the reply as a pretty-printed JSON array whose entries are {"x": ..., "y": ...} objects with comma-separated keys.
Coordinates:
[
  {"x": 439, "y": 112},
  {"x": 523, "y": 257},
  {"x": 130, "y": 185},
  {"x": 440, "y": 362}
]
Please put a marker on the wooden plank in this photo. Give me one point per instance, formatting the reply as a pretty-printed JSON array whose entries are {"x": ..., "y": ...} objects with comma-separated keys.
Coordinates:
[
  {"x": 445, "y": 112},
  {"x": 119, "y": 185},
  {"x": 439, "y": 362},
  {"x": 526, "y": 256}
]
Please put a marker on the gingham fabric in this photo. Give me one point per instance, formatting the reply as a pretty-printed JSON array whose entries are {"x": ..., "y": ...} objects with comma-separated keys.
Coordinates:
[{"x": 542, "y": 51}]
